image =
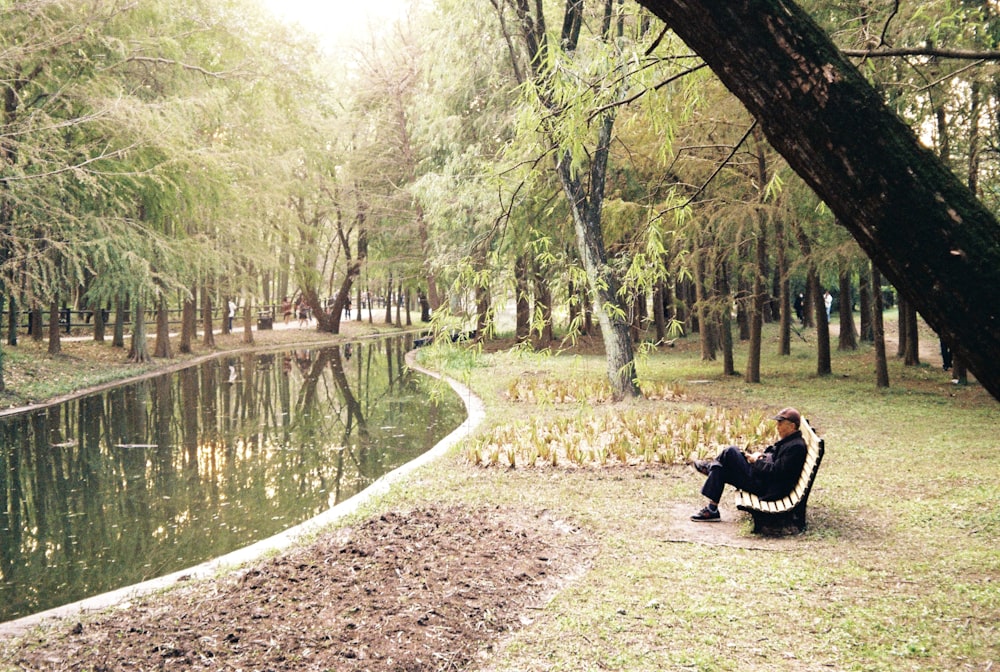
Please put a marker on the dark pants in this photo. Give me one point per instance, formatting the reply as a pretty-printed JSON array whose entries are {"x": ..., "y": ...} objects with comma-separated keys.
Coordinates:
[{"x": 730, "y": 467}]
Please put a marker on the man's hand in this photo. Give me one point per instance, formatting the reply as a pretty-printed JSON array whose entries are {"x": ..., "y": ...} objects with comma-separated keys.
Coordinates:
[{"x": 753, "y": 457}]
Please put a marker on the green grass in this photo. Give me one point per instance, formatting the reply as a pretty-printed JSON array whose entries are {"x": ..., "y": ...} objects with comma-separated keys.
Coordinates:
[{"x": 899, "y": 569}]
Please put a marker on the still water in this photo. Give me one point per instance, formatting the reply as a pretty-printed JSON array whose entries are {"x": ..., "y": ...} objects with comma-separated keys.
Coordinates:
[{"x": 145, "y": 479}]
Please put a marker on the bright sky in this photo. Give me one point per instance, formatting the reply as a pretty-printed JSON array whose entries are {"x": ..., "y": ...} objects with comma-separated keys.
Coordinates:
[{"x": 337, "y": 21}]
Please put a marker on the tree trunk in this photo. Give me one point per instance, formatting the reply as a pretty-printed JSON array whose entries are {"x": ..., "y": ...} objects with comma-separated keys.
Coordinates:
[
  {"x": 726, "y": 324},
  {"x": 757, "y": 303},
  {"x": 118, "y": 334},
  {"x": 162, "y": 348},
  {"x": 902, "y": 326},
  {"x": 659, "y": 314},
  {"x": 911, "y": 354},
  {"x": 248, "y": 323},
  {"x": 139, "y": 350},
  {"x": 55, "y": 342},
  {"x": 522, "y": 309},
  {"x": 35, "y": 322},
  {"x": 759, "y": 299},
  {"x": 865, "y": 303},
  {"x": 848, "y": 338},
  {"x": 208, "y": 339},
  {"x": 13, "y": 317},
  {"x": 823, "y": 355},
  {"x": 189, "y": 323},
  {"x": 878, "y": 332},
  {"x": 611, "y": 315},
  {"x": 921, "y": 226},
  {"x": 388, "y": 299},
  {"x": 100, "y": 321},
  {"x": 543, "y": 307},
  {"x": 702, "y": 296},
  {"x": 482, "y": 311},
  {"x": 784, "y": 291}
]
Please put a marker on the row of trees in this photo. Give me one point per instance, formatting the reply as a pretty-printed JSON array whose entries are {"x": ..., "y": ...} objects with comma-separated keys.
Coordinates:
[{"x": 160, "y": 152}]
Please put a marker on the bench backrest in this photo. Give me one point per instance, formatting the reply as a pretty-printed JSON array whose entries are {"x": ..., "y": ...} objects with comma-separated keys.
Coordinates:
[{"x": 814, "y": 454}]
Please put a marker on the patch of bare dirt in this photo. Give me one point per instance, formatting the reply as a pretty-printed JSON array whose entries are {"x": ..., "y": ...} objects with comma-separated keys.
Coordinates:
[{"x": 427, "y": 589}]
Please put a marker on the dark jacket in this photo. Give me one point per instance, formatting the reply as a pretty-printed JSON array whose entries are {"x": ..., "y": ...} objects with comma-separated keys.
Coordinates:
[{"x": 777, "y": 472}]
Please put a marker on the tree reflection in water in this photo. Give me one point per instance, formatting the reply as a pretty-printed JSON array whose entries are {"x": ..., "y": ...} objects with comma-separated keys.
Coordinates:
[{"x": 145, "y": 479}]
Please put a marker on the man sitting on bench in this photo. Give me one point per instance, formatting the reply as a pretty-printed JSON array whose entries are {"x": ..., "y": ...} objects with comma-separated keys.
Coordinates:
[{"x": 769, "y": 474}]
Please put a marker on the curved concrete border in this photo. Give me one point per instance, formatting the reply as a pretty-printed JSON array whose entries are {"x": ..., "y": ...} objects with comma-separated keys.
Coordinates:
[{"x": 284, "y": 540}]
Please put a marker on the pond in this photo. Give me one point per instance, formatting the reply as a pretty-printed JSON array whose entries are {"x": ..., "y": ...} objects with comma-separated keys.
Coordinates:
[{"x": 111, "y": 489}]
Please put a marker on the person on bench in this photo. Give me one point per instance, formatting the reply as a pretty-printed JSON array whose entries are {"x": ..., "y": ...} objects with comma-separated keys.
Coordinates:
[{"x": 770, "y": 474}]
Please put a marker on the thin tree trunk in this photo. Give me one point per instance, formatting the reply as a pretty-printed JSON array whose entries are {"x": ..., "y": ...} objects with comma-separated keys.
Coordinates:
[
  {"x": 13, "y": 317},
  {"x": 757, "y": 305},
  {"x": 911, "y": 357},
  {"x": 726, "y": 323},
  {"x": 865, "y": 302},
  {"x": 388, "y": 300},
  {"x": 659, "y": 314},
  {"x": 704, "y": 310},
  {"x": 118, "y": 335},
  {"x": 878, "y": 332},
  {"x": 543, "y": 307},
  {"x": 189, "y": 323},
  {"x": 902, "y": 325},
  {"x": 248, "y": 323},
  {"x": 55, "y": 340},
  {"x": 760, "y": 268},
  {"x": 522, "y": 309},
  {"x": 208, "y": 338},
  {"x": 823, "y": 355},
  {"x": 848, "y": 338},
  {"x": 784, "y": 291}
]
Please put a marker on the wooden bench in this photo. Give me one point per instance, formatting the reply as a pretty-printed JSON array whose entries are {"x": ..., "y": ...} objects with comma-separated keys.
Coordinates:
[{"x": 788, "y": 514}]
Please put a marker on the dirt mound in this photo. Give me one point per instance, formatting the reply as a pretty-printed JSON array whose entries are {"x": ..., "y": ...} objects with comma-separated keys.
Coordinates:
[{"x": 418, "y": 590}]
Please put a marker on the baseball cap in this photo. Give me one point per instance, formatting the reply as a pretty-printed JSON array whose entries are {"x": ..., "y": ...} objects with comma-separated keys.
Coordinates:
[{"x": 789, "y": 414}]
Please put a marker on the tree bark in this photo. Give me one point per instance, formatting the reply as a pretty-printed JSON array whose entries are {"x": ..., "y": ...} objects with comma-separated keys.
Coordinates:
[
  {"x": 922, "y": 227},
  {"x": 522, "y": 325},
  {"x": 824, "y": 365},
  {"x": 55, "y": 340},
  {"x": 139, "y": 350},
  {"x": 878, "y": 331},
  {"x": 784, "y": 290},
  {"x": 865, "y": 303},
  {"x": 848, "y": 338},
  {"x": 189, "y": 324},
  {"x": 208, "y": 339},
  {"x": 162, "y": 348}
]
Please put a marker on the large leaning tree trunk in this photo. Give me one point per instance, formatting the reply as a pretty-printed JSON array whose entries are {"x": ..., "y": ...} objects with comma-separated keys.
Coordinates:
[{"x": 925, "y": 230}]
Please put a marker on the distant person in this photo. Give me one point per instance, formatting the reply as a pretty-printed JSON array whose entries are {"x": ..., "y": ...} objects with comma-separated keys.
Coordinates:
[
  {"x": 770, "y": 474},
  {"x": 302, "y": 311},
  {"x": 286, "y": 309},
  {"x": 799, "y": 306},
  {"x": 945, "y": 355},
  {"x": 828, "y": 302},
  {"x": 232, "y": 313}
]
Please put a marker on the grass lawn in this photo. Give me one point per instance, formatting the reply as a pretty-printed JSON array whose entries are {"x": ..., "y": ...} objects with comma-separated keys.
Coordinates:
[{"x": 898, "y": 570}]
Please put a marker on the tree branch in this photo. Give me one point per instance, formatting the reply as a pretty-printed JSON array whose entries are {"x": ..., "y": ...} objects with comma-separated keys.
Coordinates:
[{"x": 964, "y": 54}]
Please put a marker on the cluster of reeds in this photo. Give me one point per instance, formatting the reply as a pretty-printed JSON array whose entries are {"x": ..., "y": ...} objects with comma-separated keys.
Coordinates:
[
  {"x": 619, "y": 436},
  {"x": 547, "y": 390}
]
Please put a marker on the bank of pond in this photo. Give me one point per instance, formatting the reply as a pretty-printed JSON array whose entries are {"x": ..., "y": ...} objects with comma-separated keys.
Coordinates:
[{"x": 154, "y": 476}]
